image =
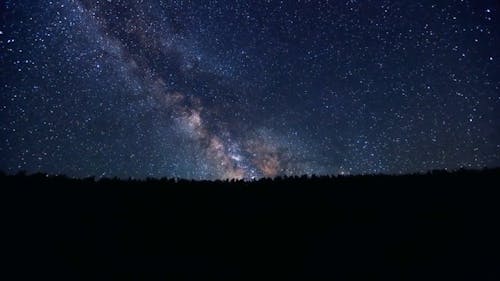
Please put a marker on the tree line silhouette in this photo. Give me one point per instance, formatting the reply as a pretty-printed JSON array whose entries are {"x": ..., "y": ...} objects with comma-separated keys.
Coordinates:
[{"x": 434, "y": 226}]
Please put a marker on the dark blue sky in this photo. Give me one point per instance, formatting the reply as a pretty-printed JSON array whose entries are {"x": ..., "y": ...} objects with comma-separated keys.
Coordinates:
[{"x": 218, "y": 89}]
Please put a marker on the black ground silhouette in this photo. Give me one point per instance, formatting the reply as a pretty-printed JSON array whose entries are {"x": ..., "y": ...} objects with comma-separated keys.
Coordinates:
[{"x": 438, "y": 226}]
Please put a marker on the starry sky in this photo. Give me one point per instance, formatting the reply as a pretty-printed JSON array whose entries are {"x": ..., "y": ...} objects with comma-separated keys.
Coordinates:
[{"x": 214, "y": 89}]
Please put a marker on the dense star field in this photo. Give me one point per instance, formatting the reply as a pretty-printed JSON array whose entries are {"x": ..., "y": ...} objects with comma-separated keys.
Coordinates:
[{"x": 240, "y": 89}]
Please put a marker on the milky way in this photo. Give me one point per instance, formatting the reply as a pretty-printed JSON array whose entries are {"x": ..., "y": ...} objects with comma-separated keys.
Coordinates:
[{"x": 236, "y": 89}]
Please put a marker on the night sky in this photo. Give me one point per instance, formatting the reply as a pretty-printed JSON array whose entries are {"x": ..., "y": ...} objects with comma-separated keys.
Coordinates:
[{"x": 240, "y": 89}]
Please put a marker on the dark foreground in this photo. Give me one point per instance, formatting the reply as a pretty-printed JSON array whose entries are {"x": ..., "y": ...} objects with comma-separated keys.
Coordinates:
[{"x": 433, "y": 227}]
